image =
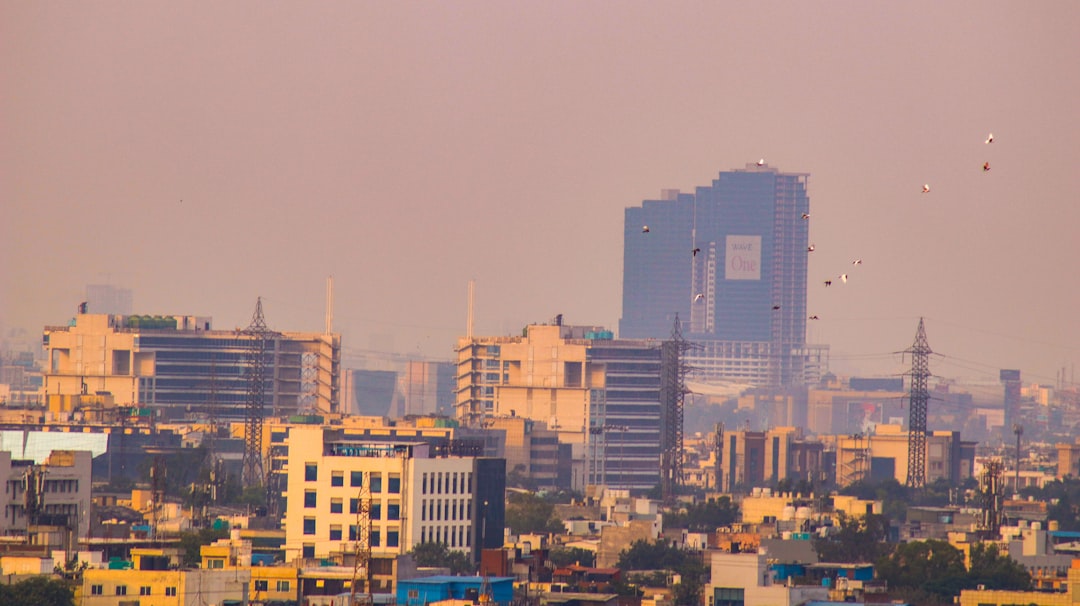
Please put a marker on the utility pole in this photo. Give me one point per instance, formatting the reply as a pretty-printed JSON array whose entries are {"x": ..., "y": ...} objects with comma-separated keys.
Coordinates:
[{"x": 1018, "y": 429}]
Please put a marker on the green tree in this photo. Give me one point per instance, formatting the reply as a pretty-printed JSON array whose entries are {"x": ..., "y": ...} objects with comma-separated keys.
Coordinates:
[
  {"x": 37, "y": 591},
  {"x": 432, "y": 554},
  {"x": 857, "y": 540},
  {"x": 565, "y": 556},
  {"x": 519, "y": 478},
  {"x": 995, "y": 570},
  {"x": 643, "y": 555},
  {"x": 191, "y": 541},
  {"x": 925, "y": 571},
  {"x": 892, "y": 494},
  {"x": 704, "y": 517},
  {"x": 527, "y": 513}
]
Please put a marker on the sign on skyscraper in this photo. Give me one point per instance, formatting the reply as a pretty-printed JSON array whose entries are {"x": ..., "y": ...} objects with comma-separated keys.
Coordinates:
[{"x": 742, "y": 260}]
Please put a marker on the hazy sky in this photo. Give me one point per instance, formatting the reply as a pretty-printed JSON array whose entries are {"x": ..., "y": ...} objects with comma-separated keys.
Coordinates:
[{"x": 206, "y": 153}]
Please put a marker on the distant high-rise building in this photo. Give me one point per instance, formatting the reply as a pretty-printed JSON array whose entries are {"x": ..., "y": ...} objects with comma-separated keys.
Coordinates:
[
  {"x": 181, "y": 367},
  {"x": 730, "y": 260},
  {"x": 108, "y": 299}
]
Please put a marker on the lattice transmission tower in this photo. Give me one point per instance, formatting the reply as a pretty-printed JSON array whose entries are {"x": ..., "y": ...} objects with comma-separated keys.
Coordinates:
[
  {"x": 258, "y": 338},
  {"x": 918, "y": 399},
  {"x": 673, "y": 371}
]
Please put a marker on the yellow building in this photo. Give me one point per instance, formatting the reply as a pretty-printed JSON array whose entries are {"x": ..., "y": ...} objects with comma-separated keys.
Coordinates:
[
  {"x": 152, "y": 581},
  {"x": 268, "y": 583},
  {"x": 1068, "y": 460},
  {"x": 992, "y": 597}
]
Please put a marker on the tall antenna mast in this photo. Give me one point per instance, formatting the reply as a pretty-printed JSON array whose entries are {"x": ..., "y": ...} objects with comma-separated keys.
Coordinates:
[
  {"x": 918, "y": 398},
  {"x": 469, "y": 312},
  {"x": 329, "y": 304}
]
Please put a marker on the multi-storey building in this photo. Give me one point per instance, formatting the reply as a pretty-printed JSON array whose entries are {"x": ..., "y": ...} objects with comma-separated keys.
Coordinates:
[
  {"x": 730, "y": 261},
  {"x": 883, "y": 454},
  {"x": 746, "y": 459},
  {"x": 855, "y": 408},
  {"x": 180, "y": 365},
  {"x": 405, "y": 388},
  {"x": 404, "y": 492},
  {"x": 600, "y": 395},
  {"x": 55, "y": 493}
]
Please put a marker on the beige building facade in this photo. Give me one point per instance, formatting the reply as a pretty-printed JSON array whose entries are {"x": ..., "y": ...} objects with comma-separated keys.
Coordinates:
[
  {"x": 598, "y": 394},
  {"x": 180, "y": 365}
]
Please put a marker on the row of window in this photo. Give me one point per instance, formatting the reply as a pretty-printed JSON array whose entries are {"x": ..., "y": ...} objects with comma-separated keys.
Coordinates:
[
  {"x": 453, "y": 536},
  {"x": 17, "y": 487},
  {"x": 393, "y": 508},
  {"x": 375, "y": 539},
  {"x": 356, "y": 479},
  {"x": 264, "y": 585},
  {"x": 445, "y": 509},
  {"x": 123, "y": 590},
  {"x": 446, "y": 482}
]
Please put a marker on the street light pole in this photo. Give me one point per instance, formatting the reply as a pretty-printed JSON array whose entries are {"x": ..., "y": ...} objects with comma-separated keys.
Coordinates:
[{"x": 1018, "y": 429}]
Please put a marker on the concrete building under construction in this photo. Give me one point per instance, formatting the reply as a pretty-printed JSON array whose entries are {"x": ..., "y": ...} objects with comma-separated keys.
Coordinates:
[
  {"x": 604, "y": 397},
  {"x": 181, "y": 367}
]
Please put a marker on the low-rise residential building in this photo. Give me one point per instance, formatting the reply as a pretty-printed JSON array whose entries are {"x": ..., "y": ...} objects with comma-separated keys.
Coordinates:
[
  {"x": 747, "y": 578},
  {"x": 153, "y": 579},
  {"x": 55, "y": 493}
]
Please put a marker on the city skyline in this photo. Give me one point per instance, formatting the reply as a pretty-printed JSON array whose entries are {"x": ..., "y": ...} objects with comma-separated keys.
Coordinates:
[{"x": 206, "y": 155}]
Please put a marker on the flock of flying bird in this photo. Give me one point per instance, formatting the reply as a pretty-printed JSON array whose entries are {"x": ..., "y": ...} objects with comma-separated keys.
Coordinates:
[{"x": 809, "y": 249}]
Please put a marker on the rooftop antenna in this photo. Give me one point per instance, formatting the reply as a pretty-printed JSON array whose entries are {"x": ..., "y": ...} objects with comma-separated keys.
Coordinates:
[
  {"x": 329, "y": 304},
  {"x": 469, "y": 314}
]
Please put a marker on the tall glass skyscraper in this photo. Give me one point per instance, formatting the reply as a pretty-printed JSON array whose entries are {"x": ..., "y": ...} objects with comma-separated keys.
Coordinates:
[{"x": 730, "y": 260}]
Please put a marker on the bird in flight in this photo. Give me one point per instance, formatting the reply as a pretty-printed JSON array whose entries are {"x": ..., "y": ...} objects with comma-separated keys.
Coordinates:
[
  {"x": 843, "y": 278},
  {"x": 761, "y": 162},
  {"x": 986, "y": 167},
  {"x": 828, "y": 282},
  {"x": 805, "y": 216},
  {"x": 810, "y": 248},
  {"x": 644, "y": 229},
  {"x": 814, "y": 317},
  {"x": 695, "y": 251},
  {"x": 857, "y": 262},
  {"x": 989, "y": 138},
  {"x": 775, "y": 307},
  {"x": 698, "y": 297},
  {"x": 926, "y": 188}
]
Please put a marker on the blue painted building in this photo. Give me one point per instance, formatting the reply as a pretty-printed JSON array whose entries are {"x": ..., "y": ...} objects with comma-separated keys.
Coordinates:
[{"x": 417, "y": 592}]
